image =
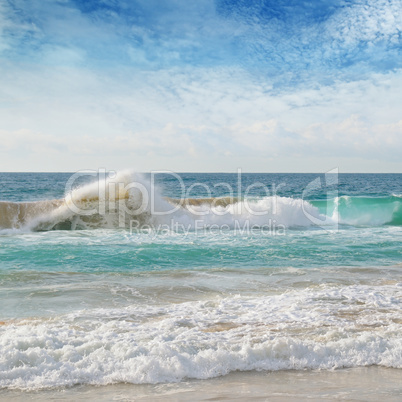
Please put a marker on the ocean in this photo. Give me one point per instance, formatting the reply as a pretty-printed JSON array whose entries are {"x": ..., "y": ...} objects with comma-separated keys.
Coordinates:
[{"x": 200, "y": 285}]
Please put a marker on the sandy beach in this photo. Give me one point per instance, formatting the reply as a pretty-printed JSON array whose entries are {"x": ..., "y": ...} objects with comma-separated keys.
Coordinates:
[{"x": 357, "y": 384}]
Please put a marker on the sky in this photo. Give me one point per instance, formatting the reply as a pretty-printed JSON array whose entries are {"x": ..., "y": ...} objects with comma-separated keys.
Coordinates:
[{"x": 201, "y": 86}]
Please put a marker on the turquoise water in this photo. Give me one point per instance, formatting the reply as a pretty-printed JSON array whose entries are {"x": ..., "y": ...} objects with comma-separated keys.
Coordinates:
[{"x": 300, "y": 271}]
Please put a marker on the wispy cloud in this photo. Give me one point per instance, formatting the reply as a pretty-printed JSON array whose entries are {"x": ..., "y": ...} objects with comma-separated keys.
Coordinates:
[
  {"x": 200, "y": 81},
  {"x": 276, "y": 37}
]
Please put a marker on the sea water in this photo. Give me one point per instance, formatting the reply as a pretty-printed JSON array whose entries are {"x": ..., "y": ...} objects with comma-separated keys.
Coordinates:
[{"x": 141, "y": 279}]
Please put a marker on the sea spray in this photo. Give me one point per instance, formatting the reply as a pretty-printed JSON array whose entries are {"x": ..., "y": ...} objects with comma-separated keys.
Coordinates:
[{"x": 129, "y": 197}]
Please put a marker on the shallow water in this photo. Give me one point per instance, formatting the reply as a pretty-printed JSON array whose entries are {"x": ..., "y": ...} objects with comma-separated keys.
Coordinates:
[
  {"x": 357, "y": 384},
  {"x": 104, "y": 304}
]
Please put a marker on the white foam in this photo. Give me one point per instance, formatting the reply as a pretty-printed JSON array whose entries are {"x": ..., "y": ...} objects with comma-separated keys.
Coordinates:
[{"x": 315, "y": 328}]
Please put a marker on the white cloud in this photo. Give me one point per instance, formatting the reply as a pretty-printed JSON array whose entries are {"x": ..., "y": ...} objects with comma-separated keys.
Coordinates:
[
  {"x": 204, "y": 114},
  {"x": 203, "y": 117},
  {"x": 370, "y": 21},
  {"x": 352, "y": 138}
]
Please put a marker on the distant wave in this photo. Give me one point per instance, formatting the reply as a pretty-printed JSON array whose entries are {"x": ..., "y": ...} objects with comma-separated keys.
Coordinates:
[{"x": 119, "y": 206}]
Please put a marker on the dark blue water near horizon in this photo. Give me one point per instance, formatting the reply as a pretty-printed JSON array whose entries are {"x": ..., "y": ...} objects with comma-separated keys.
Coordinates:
[{"x": 20, "y": 187}]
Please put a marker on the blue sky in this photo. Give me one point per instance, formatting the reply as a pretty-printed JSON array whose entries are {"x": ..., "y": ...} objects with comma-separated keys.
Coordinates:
[{"x": 201, "y": 85}]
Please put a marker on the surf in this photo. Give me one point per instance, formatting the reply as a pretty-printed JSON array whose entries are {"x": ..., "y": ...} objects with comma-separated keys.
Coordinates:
[
  {"x": 363, "y": 211},
  {"x": 130, "y": 197}
]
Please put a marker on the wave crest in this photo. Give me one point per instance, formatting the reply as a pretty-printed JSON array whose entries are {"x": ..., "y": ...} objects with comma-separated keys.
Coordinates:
[{"x": 117, "y": 202}]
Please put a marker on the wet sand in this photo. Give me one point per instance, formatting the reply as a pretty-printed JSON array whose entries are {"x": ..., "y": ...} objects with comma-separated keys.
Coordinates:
[{"x": 357, "y": 384}]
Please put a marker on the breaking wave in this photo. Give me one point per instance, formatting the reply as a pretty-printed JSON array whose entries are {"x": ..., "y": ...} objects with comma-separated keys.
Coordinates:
[
  {"x": 365, "y": 211},
  {"x": 129, "y": 197}
]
